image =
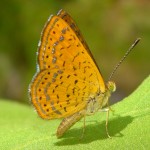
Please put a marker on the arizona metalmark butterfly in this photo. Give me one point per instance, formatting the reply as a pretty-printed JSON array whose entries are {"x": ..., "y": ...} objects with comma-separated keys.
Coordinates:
[{"x": 68, "y": 83}]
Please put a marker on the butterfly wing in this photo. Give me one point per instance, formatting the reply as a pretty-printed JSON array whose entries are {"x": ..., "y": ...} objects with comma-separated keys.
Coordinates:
[
  {"x": 67, "y": 75},
  {"x": 67, "y": 18}
]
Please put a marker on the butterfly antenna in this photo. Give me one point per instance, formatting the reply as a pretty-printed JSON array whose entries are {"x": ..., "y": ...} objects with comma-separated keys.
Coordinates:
[{"x": 126, "y": 54}]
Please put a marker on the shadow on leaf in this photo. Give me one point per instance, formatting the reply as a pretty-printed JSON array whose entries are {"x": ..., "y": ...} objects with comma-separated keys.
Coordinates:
[{"x": 95, "y": 132}]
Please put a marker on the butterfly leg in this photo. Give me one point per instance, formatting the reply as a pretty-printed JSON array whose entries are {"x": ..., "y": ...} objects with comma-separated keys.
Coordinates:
[
  {"x": 107, "y": 117},
  {"x": 83, "y": 128},
  {"x": 110, "y": 107}
]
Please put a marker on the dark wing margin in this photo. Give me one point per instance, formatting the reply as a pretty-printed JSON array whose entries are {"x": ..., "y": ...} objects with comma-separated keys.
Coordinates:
[{"x": 67, "y": 18}]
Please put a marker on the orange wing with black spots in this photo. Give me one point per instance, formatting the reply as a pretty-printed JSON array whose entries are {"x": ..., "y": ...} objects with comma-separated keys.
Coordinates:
[{"x": 67, "y": 75}]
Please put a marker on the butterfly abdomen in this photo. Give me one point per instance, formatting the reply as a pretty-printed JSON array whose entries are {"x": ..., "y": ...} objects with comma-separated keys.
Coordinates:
[{"x": 68, "y": 122}]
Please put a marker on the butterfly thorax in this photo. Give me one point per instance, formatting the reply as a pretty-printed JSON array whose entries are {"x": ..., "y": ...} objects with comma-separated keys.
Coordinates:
[{"x": 97, "y": 102}]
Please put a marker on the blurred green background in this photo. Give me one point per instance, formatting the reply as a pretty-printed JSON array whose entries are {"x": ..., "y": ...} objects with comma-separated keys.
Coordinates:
[{"x": 109, "y": 27}]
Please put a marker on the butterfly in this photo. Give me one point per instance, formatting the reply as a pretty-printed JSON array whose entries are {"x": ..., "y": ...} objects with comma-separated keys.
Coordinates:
[{"x": 68, "y": 83}]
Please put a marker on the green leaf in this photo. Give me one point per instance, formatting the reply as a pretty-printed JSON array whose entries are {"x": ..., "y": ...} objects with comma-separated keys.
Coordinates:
[{"x": 21, "y": 128}]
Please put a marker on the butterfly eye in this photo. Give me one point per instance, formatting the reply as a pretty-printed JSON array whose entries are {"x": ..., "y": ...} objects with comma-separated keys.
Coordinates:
[{"x": 111, "y": 86}]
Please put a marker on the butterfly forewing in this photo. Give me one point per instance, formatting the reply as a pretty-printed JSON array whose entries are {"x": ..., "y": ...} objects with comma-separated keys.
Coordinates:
[
  {"x": 67, "y": 75},
  {"x": 67, "y": 18}
]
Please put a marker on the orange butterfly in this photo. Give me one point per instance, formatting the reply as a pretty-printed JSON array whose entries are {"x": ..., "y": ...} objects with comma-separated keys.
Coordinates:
[{"x": 68, "y": 83}]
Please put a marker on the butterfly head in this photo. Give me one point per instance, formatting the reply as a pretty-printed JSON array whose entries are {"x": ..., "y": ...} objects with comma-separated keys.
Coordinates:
[{"x": 111, "y": 86}]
